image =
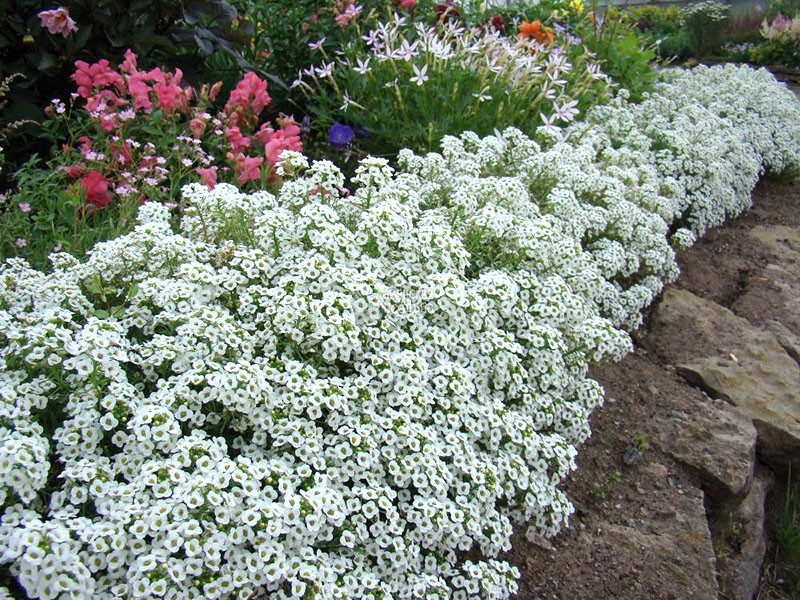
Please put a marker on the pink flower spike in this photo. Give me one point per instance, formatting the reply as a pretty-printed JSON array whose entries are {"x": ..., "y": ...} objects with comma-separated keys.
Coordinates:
[
  {"x": 98, "y": 75},
  {"x": 57, "y": 21},
  {"x": 264, "y": 134},
  {"x": 140, "y": 92},
  {"x": 197, "y": 126},
  {"x": 129, "y": 64},
  {"x": 24, "y": 207},
  {"x": 96, "y": 188},
  {"x": 250, "y": 169},
  {"x": 208, "y": 175},
  {"x": 287, "y": 138},
  {"x": 237, "y": 141},
  {"x": 250, "y": 94}
]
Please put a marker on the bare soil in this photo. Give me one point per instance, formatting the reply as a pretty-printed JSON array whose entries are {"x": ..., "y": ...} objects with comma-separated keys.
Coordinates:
[{"x": 625, "y": 539}]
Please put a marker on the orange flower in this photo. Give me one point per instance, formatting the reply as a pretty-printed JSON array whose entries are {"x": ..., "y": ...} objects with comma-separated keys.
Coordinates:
[
  {"x": 543, "y": 35},
  {"x": 527, "y": 29}
]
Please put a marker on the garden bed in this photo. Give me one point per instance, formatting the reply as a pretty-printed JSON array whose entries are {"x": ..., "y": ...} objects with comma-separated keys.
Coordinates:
[{"x": 237, "y": 370}]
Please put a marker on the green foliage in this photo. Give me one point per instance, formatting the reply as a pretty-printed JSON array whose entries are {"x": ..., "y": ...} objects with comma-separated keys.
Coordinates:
[
  {"x": 628, "y": 64},
  {"x": 776, "y": 52},
  {"x": 788, "y": 536},
  {"x": 640, "y": 442},
  {"x": 59, "y": 219},
  {"x": 284, "y": 29},
  {"x": 658, "y": 21},
  {"x": 676, "y": 46},
  {"x": 660, "y": 27},
  {"x": 624, "y": 54},
  {"x": 705, "y": 23},
  {"x": 788, "y": 8}
]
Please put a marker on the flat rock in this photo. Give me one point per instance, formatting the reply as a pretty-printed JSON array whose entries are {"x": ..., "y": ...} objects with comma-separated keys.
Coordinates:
[
  {"x": 742, "y": 542},
  {"x": 670, "y": 557},
  {"x": 783, "y": 241},
  {"x": 716, "y": 442},
  {"x": 771, "y": 300},
  {"x": 733, "y": 360}
]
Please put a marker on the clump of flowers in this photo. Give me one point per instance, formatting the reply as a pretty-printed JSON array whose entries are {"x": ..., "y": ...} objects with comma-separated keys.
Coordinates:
[
  {"x": 136, "y": 135},
  {"x": 327, "y": 388},
  {"x": 410, "y": 84},
  {"x": 781, "y": 43},
  {"x": 121, "y": 102},
  {"x": 543, "y": 35},
  {"x": 781, "y": 28},
  {"x": 345, "y": 11}
]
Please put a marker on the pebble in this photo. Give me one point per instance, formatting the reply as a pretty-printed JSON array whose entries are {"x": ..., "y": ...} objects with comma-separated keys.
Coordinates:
[{"x": 632, "y": 456}]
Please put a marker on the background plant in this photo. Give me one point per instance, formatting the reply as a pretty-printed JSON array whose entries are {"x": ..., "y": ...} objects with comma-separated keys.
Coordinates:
[
  {"x": 131, "y": 136},
  {"x": 705, "y": 24},
  {"x": 284, "y": 33},
  {"x": 781, "y": 45},
  {"x": 624, "y": 55},
  {"x": 408, "y": 86},
  {"x": 661, "y": 27},
  {"x": 160, "y": 32}
]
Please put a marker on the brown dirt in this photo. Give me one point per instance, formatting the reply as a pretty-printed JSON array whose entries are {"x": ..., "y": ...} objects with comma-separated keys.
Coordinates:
[{"x": 618, "y": 543}]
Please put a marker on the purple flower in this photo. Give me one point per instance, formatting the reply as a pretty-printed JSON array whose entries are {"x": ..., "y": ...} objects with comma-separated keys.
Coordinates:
[{"x": 339, "y": 135}]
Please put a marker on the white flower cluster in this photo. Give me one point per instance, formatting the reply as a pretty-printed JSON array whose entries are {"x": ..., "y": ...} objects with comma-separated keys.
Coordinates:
[
  {"x": 335, "y": 404},
  {"x": 538, "y": 75},
  {"x": 335, "y": 395},
  {"x": 626, "y": 186},
  {"x": 709, "y": 134}
]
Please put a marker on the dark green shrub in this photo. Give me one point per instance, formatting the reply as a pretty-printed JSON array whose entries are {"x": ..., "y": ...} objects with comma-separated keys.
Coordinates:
[
  {"x": 705, "y": 23},
  {"x": 676, "y": 46}
]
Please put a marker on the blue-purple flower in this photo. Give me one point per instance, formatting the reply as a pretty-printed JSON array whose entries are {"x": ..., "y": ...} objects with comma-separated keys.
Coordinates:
[{"x": 339, "y": 135}]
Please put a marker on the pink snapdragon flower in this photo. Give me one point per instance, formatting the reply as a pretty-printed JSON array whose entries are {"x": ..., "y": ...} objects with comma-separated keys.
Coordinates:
[
  {"x": 247, "y": 100},
  {"x": 286, "y": 138},
  {"x": 57, "y": 21},
  {"x": 237, "y": 140},
  {"x": 98, "y": 75},
  {"x": 96, "y": 188},
  {"x": 170, "y": 94},
  {"x": 247, "y": 167},
  {"x": 140, "y": 91},
  {"x": 209, "y": 176}
]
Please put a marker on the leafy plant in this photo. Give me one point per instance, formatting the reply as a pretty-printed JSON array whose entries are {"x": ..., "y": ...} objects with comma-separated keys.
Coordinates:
[
  {"x": 781, "y": 43},
  {"x": 44, "y": 44},
  {"x": 640, "y": 442},
  {"x": 132, "y": 136},
  {"x": 621, "y": 51},
  {"x": 406, "y": 85},
  {"x": 705, "y": 24},
  {"x": 788, "y": 534}
]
